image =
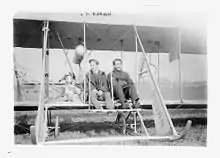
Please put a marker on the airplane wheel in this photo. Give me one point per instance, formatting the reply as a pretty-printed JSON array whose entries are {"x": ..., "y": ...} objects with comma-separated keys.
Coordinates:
[
  {"x": 56, "y": 127},
  {"x": 33, "y": 136}
]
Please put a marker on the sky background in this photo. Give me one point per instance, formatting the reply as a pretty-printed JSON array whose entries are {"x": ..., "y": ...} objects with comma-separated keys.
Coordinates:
[{"x": 194, "y": 67}]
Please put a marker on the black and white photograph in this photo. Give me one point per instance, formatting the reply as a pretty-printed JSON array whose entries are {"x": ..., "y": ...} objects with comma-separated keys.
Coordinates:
[{"x": 110, "y": 78}]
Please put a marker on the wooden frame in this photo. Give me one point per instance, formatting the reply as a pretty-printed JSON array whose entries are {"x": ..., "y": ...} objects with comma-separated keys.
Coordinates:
[
  {"x": 179, "y": 66},
  {"x": 39, "y": 132},
  {"x": 40, "y": 123}
]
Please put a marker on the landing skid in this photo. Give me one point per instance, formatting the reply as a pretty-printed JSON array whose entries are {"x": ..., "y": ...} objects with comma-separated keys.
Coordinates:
[
  {"x": 104, "y": 140},
  {"x": 183, "y": 133},
  {"x": 113, "y": 139}
]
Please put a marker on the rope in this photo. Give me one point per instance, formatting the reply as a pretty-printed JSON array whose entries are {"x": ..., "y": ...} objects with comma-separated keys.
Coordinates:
[
  {"x": 119, "y": 39},
  {"x": 65, "y": 53},
  {"x": 105, "y": 40},
  {"x": 143, "y": 72},
  {"x": 53, "y": 86},
  {"x": 22, "y": 127}
]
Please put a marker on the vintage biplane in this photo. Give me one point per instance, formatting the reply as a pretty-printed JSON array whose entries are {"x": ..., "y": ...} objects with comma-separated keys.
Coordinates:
[{"x": 143, "y": 33}]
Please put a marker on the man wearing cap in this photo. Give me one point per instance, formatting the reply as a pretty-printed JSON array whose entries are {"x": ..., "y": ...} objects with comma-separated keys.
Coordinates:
[
  {"x": 97, "y": 86},
  {"x": 123, "y": 86}
]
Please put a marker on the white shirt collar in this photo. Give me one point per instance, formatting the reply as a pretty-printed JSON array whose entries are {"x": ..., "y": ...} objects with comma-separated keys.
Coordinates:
[{"x": 96, "y": 71}]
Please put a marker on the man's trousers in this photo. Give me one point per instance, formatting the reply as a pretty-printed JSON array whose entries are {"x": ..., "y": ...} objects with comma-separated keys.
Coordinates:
[
  {"x": 124, "y": 93},
  {"x": 95, "y": 98}
]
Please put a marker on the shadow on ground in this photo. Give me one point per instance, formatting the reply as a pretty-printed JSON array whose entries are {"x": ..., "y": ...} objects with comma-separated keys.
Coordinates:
[{"x": 23, "y": 123}]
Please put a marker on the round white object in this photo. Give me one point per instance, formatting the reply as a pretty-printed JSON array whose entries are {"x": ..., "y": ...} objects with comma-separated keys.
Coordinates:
[{"x": 78, "y": 54}]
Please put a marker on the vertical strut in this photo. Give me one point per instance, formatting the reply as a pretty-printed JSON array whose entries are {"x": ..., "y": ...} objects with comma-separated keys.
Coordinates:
[
  {"x": 180, "y": 70},
  {"x": 112, "y": 92},
  {"x": 142, "y": 124},
  {"x": 122, "y": 53},
  {"x": 84, "y": 62},
  {"x": 158, "y": 69},
  {"x": 41, "y": 119},
  {"x": 137, "y": 71},
  {"x": 89, "y": 88}
]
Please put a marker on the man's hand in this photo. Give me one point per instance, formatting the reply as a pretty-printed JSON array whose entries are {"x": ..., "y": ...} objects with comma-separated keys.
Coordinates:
[
  {"x": 100, "y": 93},
  {"x": 94, "y": 90},
  {"x": 77, "y": 90},
  {"x": 123, "y": 83}
]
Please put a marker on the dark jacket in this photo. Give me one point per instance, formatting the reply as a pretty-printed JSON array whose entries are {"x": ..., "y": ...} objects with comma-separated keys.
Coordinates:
[
  {"x": 121, "y": 77},
  {"x": 97, "y": 81}
]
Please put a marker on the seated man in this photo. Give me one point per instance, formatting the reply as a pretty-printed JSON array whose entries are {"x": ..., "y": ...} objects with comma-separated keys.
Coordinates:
[
  {"x": 98, "y": 86},
  {"x": 123, "y": 86},
  {"x": 71, "y": 92}
]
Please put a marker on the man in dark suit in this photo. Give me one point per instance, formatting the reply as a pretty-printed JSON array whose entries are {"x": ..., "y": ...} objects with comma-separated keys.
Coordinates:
[
  {"x": 97, "y": 86},
  {"x": 123, "y": 86}
]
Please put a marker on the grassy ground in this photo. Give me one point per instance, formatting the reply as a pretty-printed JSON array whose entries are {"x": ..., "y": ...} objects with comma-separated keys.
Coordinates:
[{"x": 81, "y": 124}]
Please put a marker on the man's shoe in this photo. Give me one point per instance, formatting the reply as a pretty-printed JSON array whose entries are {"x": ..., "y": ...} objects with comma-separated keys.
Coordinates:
[
  {"x": 99, "y": 110},
  {"x": 136, "y": 105},
  {"x": 125, "y": 106}
]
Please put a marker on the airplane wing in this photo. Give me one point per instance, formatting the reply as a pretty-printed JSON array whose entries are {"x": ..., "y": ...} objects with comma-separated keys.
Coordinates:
[{"x": 159, "y": 33}]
